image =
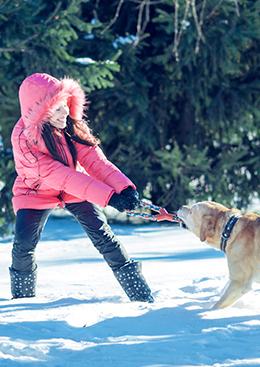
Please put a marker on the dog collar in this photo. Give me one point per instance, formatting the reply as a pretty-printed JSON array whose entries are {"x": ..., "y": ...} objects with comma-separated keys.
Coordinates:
[{"x": 227, "y": 231}]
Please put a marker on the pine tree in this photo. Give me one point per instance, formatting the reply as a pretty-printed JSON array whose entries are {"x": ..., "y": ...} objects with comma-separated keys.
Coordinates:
[
  {"x": 40, "y": 36},
  {"x": 187, "y": 108},
  {"x": 181, "y": 118}
]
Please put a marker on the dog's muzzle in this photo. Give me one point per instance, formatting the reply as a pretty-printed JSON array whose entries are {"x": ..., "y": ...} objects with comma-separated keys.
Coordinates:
[{"x": 182, "y": 223}]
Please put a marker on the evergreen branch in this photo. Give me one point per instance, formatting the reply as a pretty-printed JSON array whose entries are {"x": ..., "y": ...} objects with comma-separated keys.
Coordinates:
[
  {"x": 13, "y": 9},
  {"x": 19, "y": 46},
  {"x": 212, "y": 13},
  {"x": 97, "y": 4},
  {"x": 8, "y": 49},
  {"x": 198, "y": 23},
  {"x": 120, "y": 4},
  {"x": 52, "y": 15},
  {"x": 144, "y": 6},
  {"x": 155, "y": 2},
  {"x": 2, "y": 6},
  {"x": 176, "y": 41},
  {"x": 177, "y": 32},
  {"x": 237, "y": 8}
]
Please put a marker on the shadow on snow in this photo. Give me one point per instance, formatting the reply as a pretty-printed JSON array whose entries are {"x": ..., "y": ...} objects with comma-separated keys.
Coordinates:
[{"x": 168, "y": 336}]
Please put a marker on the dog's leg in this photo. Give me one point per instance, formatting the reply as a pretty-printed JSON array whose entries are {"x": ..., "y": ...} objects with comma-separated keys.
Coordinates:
[{"x": 232, "y": 292}]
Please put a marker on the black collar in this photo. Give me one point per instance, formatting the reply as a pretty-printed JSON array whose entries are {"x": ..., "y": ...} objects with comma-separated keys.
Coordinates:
[{"x": 227, "y": 231}]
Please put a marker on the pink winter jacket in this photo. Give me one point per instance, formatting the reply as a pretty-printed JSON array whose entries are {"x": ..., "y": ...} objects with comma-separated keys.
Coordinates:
[{"x": 42, "y": 181}]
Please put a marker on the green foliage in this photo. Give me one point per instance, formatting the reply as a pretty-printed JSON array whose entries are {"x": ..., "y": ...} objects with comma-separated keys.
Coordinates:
[
  {"x": 101, "y": 75},
  {"x": 44, "y": 36},
  {"x": 40, "y": 36},
  {"x": 191, "y": 86},
  {"x": 174, "y": 88}
]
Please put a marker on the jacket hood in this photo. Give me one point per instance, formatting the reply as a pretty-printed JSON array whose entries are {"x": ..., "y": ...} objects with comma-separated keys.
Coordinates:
[{"x": 40, "y": 93}]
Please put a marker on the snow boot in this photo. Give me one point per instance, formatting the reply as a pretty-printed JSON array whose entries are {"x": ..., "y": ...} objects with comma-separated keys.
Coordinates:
[
  {"x": 133, "y": 283},
  {"x": 23, "y": 283}
]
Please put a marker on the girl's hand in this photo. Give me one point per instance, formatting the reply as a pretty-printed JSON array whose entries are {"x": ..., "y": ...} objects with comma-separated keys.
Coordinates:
[{"x": 128, "y": 199}]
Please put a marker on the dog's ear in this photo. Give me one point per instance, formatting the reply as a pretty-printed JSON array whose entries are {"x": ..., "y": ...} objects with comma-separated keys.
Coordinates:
[{"x": 207, "y": 228}]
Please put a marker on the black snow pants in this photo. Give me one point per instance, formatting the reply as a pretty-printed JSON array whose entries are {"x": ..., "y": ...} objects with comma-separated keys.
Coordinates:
[{"x": 30, "y": 223}]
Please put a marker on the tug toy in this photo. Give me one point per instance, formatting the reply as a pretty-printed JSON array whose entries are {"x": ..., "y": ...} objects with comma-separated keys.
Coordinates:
[{"x": 163, "y": 214}]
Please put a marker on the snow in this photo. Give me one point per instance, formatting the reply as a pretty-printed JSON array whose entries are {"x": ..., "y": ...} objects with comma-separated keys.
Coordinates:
[{"x": 76, "y": 288}]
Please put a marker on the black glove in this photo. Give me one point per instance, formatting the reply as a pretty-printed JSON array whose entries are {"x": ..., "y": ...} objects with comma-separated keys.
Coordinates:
[{"x": 128, "y": 199}]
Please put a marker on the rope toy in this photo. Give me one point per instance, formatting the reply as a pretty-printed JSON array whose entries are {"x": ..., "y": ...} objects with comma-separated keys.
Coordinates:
[{"x": 163, "y": 214}]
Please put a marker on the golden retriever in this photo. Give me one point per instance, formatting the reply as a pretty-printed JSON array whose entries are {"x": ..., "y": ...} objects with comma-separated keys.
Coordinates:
[{"x": 208, "y": 220}]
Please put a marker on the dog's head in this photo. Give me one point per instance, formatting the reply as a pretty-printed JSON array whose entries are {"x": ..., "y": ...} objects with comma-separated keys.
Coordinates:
[{"x": 203, "y": 219}]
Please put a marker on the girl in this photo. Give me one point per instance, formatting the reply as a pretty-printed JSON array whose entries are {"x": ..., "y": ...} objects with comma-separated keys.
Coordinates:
[{"x": 59, "y": 163}]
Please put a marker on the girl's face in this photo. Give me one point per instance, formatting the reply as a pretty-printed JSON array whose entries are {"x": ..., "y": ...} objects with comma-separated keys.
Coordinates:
[{"x": 58, "y": 117}]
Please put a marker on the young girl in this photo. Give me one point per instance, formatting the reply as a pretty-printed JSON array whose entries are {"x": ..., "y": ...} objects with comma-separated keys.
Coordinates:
[{"x": 59, "y": 163}]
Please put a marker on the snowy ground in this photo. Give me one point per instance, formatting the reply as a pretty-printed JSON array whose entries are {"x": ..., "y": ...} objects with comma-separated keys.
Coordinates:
[{"x": 76, "y": 288}]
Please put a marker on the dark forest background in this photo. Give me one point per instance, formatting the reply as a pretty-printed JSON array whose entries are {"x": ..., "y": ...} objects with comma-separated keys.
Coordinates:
[{"x": 173, "y": 89}]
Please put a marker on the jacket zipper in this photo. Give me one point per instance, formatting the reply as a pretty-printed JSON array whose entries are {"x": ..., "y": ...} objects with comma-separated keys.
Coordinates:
[{"x": 64, "y": 156}]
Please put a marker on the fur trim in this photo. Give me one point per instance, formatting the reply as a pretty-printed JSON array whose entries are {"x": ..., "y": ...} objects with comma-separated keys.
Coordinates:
[{"x": 50, "y": 96}]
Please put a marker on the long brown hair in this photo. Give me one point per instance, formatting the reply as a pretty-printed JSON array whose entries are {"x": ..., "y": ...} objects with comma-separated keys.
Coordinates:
[{"x": 77, "y": 131}]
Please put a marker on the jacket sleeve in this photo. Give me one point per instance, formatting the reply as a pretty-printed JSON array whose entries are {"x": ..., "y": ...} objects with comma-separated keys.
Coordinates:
[
  {"x": 35, "y": 164},
  {"x": 94, "y": 161}
]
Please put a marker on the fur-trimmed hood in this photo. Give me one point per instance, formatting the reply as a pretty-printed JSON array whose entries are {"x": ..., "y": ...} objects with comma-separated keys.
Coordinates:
[{"x": 39, "y": 93}]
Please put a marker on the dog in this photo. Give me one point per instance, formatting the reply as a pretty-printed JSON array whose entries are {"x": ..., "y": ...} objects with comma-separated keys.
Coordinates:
[{"x": 237, "y": 235}]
